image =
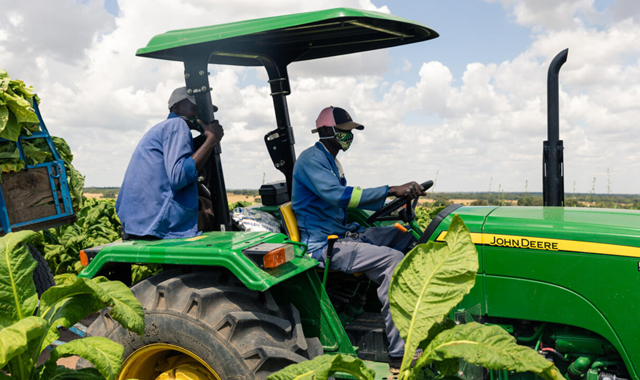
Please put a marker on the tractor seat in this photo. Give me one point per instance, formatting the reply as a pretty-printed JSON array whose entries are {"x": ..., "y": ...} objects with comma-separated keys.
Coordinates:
[
  {"x": 291, "y": 230},
  {"x": 290, "y": 222}
]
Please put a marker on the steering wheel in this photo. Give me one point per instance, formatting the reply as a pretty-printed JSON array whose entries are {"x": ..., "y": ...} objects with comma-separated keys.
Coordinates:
[{"x": 405, "y": 215}]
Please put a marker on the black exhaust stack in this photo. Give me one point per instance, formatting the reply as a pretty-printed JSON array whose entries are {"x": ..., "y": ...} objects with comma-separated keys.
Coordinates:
[{"x": 552, "y": 156}]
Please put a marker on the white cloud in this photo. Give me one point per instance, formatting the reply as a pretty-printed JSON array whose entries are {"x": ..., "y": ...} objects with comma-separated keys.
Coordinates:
[
  {"x": 554, "y": 14},
  {"x": 488, "y": 123}
]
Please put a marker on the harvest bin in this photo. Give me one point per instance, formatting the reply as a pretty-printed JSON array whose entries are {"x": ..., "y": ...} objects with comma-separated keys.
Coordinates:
[{"x": 36, "y": 197}]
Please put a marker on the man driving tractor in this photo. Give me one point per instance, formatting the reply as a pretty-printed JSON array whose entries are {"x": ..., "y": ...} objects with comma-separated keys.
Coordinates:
[
  {"x": 320, "y": 199},
  {"x": 158, "y": 198}
]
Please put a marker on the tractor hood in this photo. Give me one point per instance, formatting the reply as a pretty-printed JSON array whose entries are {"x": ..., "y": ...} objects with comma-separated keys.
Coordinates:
[
  {"x": 597, "y": 231},
  {"x": 568, "y": 229},
  {"x": 561, "y": 265}
]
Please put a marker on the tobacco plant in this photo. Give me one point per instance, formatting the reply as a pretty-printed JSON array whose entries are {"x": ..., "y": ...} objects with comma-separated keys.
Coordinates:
[
  {"x": 97, "y": 224},
  {"x": 27, "y": 326},
  {"x": 431, "y": 280}
]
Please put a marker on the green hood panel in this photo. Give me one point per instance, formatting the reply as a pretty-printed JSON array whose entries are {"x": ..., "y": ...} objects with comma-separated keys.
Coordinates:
[
  {"x": 575, "y": 266},
  {"x": 600, "y": 226},
  {"x": 221, "y": 249},
  {"x": 289, "y": 38}
]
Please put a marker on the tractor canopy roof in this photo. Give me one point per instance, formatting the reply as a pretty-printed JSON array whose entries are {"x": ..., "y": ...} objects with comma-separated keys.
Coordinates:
[{"x": 289, "y": 38}]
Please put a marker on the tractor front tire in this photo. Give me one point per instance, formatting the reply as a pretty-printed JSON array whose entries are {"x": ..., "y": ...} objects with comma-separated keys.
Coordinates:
[
  {"x": 42, "y": 276},
  {"x": 210, "y": 324}
]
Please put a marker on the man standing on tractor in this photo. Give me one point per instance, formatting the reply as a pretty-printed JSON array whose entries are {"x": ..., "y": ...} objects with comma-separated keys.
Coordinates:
[
  {"x": 320, "y": 199},
  {"x": 158, "y": 198}
]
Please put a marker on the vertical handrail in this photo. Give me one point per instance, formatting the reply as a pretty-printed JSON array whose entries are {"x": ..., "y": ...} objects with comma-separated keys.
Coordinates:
[{"x": 197, "y": 81}]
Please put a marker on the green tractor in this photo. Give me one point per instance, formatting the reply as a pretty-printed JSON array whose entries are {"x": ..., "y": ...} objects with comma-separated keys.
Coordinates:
[{"x": 233, "y": 304}]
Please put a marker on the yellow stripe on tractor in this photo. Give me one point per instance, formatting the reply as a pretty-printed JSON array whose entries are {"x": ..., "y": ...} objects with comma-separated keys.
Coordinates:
[{"x": 537, "y": 243}]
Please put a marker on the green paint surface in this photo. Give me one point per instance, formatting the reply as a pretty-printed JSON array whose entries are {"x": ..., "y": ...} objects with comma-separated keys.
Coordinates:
[{"x": 289, "y": 38}]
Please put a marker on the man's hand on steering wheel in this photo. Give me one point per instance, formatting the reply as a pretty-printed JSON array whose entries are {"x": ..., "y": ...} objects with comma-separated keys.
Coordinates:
[
  {"x": 410, "y": 190},
  {"x": 403, "y": 194}
]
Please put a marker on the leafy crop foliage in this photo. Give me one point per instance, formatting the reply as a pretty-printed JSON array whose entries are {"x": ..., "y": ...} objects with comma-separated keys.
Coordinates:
[
  {"x": 97, "y": 224},
  {"x": 27, "y": 328},
  {"x": 431, "y": 280},
  {"x": 18, "y": 118},
  {"x": 16, "y": 108}
]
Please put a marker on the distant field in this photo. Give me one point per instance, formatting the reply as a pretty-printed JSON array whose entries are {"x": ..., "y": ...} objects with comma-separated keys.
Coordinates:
[
  {"x": 628, "y": 201},
  {"x": 233, "y": 196}
]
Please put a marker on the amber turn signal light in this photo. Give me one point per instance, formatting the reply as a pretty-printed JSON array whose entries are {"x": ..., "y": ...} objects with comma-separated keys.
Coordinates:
[
  {"x": 277, "y": 257},
  {"x": 84, "y": 260}
]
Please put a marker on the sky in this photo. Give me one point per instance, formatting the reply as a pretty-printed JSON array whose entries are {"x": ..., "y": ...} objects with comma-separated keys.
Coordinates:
[{"x": 467, "y": 109}]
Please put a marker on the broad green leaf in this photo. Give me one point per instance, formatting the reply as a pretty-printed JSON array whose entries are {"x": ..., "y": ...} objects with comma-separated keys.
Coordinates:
[
  {"x": 448, "y": 367},
  {"x": 4, "y": 84},
  {"x": 18, "y": 297},
  {"x": 68, "y": 312},
  {"x": 65, "y": 279},
  {"x": 11, "y": 130},
  {"x": 21, "y": 109},
  {"x": 321, "y": 367},
  {"x": 55, "y": 294},
  {"x": 27, "y": 92},
  {"x": 125, "y": 307},
  {"x": 64, "y": 373},
  {"x": 12, "y": 166},
  {"x": 105, "y": 354},
  {"x": 425, "y": 374},
  {"x": 489, "y": 346},
  {"x": 4, "y": 116},
  {"x": 428, "y": 282},
  {"x": 15, "y": 338},
  {"x": 52, "y": 251},
  {"x": 63, "y": 148},
  {"x": 36, "y": 153},
  {"x": 436, "y": 329}
]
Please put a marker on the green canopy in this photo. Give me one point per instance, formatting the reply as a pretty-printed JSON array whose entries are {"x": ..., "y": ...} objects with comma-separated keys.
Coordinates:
[{"x": 290, "y": 38}]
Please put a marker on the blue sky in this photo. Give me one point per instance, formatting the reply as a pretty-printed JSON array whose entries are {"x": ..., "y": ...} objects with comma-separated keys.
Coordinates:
[
  {"x": 468, "y": 107},
  {"x": 472, "y": 31}
]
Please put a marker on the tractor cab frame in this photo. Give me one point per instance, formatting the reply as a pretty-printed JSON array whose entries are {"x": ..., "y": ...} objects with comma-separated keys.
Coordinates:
[{"x": 274, "y": 43}]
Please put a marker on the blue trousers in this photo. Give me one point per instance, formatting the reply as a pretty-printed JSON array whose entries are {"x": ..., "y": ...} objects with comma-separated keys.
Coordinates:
[{"x": 375, "y": 252}]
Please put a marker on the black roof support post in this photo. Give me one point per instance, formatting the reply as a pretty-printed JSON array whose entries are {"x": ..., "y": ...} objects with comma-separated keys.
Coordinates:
[
  {"x": 280, "y": 142},
  {"x": 197, "y": 80},
  {"x": 553, "y": 158}
]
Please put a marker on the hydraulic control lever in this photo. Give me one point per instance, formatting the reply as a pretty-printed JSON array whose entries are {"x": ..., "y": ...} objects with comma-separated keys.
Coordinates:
[{"x": 331, "y": 240}]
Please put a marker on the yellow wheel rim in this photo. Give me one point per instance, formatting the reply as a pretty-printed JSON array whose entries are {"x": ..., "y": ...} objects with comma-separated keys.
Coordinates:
[{"x": 162, "y": 361}]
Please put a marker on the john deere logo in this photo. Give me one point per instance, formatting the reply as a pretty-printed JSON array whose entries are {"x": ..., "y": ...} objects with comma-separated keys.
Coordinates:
[
  {"x": 520, "y": 242},
  {"x": 348, "y": 116}
]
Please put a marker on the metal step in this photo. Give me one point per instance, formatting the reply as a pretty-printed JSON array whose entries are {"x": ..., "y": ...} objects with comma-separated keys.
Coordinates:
[{"x": 367, "y": 332}]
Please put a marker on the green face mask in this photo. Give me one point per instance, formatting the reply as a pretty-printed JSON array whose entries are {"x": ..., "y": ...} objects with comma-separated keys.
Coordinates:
[{"x": 344, "y": 139}]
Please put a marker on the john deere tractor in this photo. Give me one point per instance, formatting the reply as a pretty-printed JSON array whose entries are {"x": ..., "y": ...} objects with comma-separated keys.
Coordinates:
[{"x": 233, "y": 304}]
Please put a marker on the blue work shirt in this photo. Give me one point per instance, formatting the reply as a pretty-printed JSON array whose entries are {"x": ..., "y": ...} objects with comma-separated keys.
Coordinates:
[
  {"x": 321, "y": 196},
  {"x": 159, "y": 194}
]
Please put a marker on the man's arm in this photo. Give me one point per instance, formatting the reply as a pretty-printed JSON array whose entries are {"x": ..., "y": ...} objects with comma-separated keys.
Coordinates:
[
  {"x": 213, "y": 133},
  {"x": 325, "y": 184},
  {"x": 177, "y": 147}
]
